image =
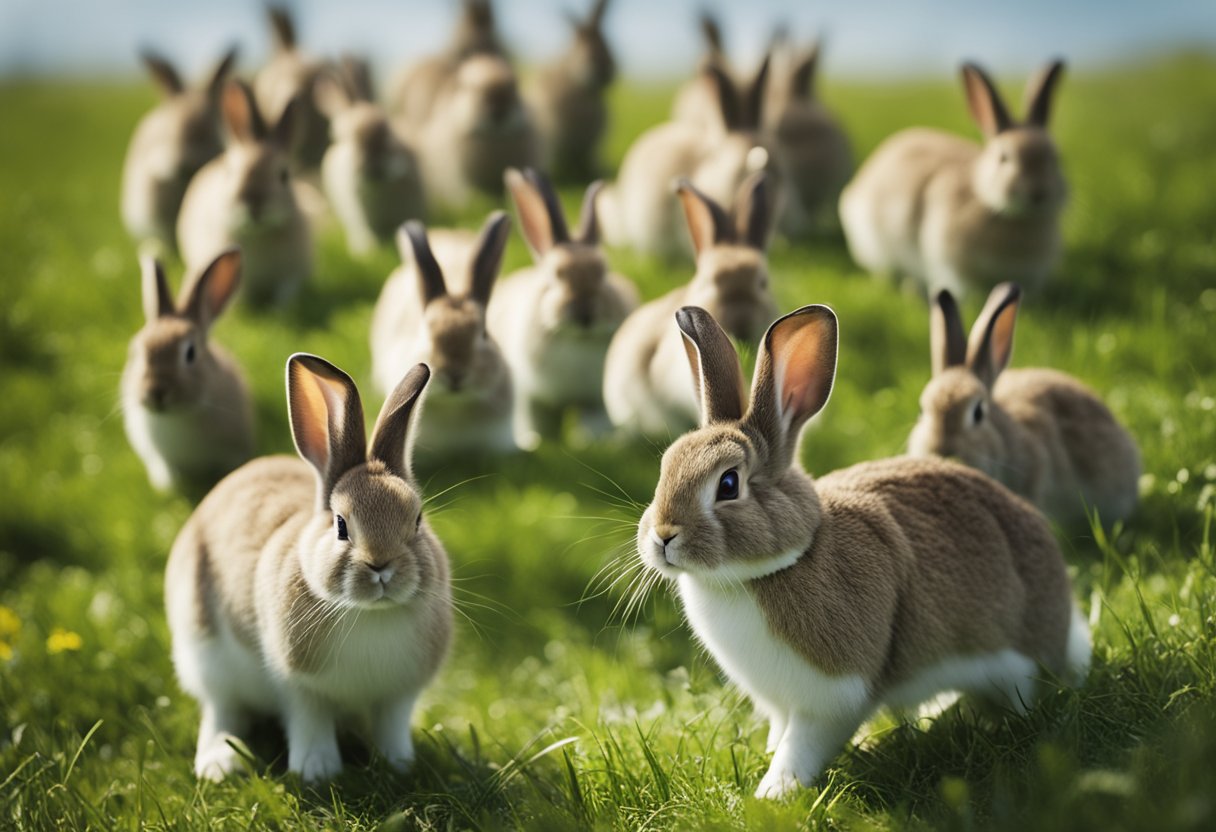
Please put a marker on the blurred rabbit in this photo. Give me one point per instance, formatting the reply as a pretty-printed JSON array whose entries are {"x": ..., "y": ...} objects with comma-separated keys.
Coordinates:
[
  {"x": 370, "y": 176},
  {"x": 696, "y": 101},
  {"x": 638, "y": 209},
  {"x": 290, "y": 75},
  {"x": 433, "y": 309},
  {"x": 554, "y": 321},
  {"x": 568, "y": 99},
  {"x": 952, "y": 215},
  {"x": 646, "y": 381},
  {"x": 185, "y": 403},
  {"x": 811, "y": 147},
  {"x": 170, "y": 144},
  {"x": 246, "y": 198}
]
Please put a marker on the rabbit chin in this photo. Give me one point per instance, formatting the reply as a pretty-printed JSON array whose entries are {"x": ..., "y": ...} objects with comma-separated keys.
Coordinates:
[
  {"x": 388, "y": 598},
  {"x": 245, "y": 221},
  {"x": 676, "y": 565}
]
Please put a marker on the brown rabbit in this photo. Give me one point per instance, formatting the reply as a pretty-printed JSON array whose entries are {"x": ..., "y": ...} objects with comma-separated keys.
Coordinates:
[
  {"x": 290, "y": 76},
  {"x": 883, "y": 584},
  {"x": 1042, "y": 433}
]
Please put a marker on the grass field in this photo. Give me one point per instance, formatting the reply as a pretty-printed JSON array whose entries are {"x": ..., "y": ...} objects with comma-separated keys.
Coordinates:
[{"x": 556, "y": 710}]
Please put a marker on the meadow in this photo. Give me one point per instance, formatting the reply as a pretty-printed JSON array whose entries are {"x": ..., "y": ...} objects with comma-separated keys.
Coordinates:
[{"x": 563, "y": 705}]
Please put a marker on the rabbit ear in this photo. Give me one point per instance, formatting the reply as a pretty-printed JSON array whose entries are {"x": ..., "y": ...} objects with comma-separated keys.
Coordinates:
[
  {"x": 331, "y": 94},
  {"x": 210, "y": 294},
  {"x": 215, "y": 83},
  {"x": 411, "y": 237},
  {"x": 802, "y": 79},
  {"x": 752, "y": 216},
  {"x": 158, "y": 301},
  {"x": 284, "y": 28},
  {"x": 985, "y": 102},
  {"x": 163, "y": 73},
  {"x": 991, "y": 343},
  {"x": 595, "y": 17},
  {"x": 359, "y": 77},
  {"x": 947, "y": 341},
  {"x": 588, "y": 232},
  {"x": 707, "y": 222},
  {"x": 753, "y": 99},
  {"x": 717, "y": 376},
  {"x": 241, "y": 113},
  {"x": 712, "y": 32},
  {"x": 795, "y": 370},
  {"x": 1039, "y": 91},
  {"x": 326, "y": 420},
  {"x": 283, "y": 133},
  {"x": 728, "y": 96},
  {"x": 390, "y": 436},
  {"x": 540, "y": 221},
  {"x": 491, "y": 243}
]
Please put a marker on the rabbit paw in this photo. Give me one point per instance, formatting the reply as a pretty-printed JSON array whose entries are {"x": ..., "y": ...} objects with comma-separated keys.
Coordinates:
[
  {"x": 314, "y": 765},
  {"x": 779, "y": 782}
]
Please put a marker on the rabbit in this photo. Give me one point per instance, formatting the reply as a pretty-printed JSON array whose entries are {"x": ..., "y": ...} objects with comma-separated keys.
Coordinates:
[
  {"x": 568, "y": 99},
  {"x": 646, "y": 388},
  {"x": 948, "y": 214},
  {"x": 477, "y": 129},
  {"x": 370, "y": 176},
  {"x": 811, "y": 147},
  {"x": 185, "y": 403},
  {"x": 313, "y": 589},
  {"x": 637, "y": 210},
  {"x": 696, "y": 101},
  {"x": 1042, "y": 433},
  {"x": 246, "y": 197},
  {"x": 169, "y": 145},
  {"x": 881, "y": 584},
  {"x": 554, "y": 321},
  {"x": 290, "y": 75},
  {"x": 433, "y": 309},
  {"x": 416, "y": 89}
]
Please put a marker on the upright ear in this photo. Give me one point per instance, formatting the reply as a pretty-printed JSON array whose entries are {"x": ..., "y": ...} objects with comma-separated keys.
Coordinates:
[
  {"x": 752, "y": 216},
  {"x": 588, "y": 232},
  {"x": 711, "y": 32},
  {"x": 802, "y": 79},
  {"x": 390, "y": 437},
  {"x": 163, "y": 73},
  {"x": 211, "y": 292},
  {"x": 215, "y": 83},
  {"x": 753, "y": 99},
  {"x": 491, "y": 243},
  {"x": 947, "y": 341},
  {"x": 728, "y": 96},
  {"x": 157, "y": 299},
  {"x": 284, "y": 130},
  {"x": 331, "y": 94},
  {"x": 707, "y": 222},
  {"x": 540, "y": 218},
  {"x": 359, "y": 77},
  {"x": 326, "y": 420},
  {"x": 991, "y": 344},
  {"x": 284, "y": 29},
  {"x": 717, "y": 376},
  {"x": 1039, "y": 92},
  {"x": 985, "y": 102},
  {"x": 595, "y": 17},
  {"x": 411, "y": 237},
  {"x": 794, "y": 374},
  {"x": 241, "y": 113}
]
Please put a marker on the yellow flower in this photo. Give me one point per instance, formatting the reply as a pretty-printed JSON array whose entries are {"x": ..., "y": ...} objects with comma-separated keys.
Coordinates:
[
  {"x": 61, "y": 639},
  {"x": 10, "y": 624},
  {"x": 6, "y": 652}
]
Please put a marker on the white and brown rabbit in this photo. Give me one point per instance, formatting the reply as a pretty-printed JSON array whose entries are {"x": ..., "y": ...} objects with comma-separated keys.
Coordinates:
[
  {"x": 696, "y": 101},
  {"x": 886, "y": 583},
  {"x": 646, "y": 387},
  {"x": 246, "y": 198},
  {"x": 554, "y": 321},
  {"x": 811, "y": 147},
  {"x": 638, "y": 209},
  {"x": 186, "y": 406},
  {"x": 291, "y": 75},
  {"x": 313, "y": 590},
  {"x": 370, "y": 176},
  {"x": 170, "y": 144},
  {"x": 1042, "y": 433},
  {"x": 433, "y": 309},
  {"x": 568, "y": 99},
  {"x": 950, "y": 214}
]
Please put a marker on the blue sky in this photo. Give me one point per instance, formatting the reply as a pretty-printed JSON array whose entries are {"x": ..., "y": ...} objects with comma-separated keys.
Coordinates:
[{"x": 653, "y": 38}]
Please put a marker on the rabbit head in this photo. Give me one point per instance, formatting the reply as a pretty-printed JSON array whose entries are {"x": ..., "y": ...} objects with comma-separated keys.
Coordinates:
[
  {"x": 169, "y": 356},
  {"x": 366, "y": 546},
  {"x": 460, "y": 350},
  {"x": 1018, "y": 172},
  {"x": 476, "y": 31},
  {"x": 956, "y": 418},
  {"x": 730, "y": 499},
  {"x": 256, "y": 161},
  {"x": 192, "y": 137},
  {"x": 589, "y": 59},
  {"x": 732, "y": 279},
  {"x": 484, "y": 95},
  {"x": 356, "y": 120}
]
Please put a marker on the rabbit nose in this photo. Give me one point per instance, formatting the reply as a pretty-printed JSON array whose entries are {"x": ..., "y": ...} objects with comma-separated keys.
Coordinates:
[
  {"x": 382, "y": 572},
  {"x": 662, "y": 536}
]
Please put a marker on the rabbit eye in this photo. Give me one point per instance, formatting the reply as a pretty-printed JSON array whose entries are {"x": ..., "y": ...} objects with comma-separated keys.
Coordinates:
[
  {"x": 728, "y": 485},
  {"x": 977, "y": 414},
  {"x": 189, "y": 354},
  {"x": 340, "y": 526}
]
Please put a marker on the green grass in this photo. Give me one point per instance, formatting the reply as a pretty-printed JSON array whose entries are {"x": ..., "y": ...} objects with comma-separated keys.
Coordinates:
[{"x": 554, "y": 710}]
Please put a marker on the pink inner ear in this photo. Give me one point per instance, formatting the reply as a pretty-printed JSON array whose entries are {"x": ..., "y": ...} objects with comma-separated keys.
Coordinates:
[
  {"x": 804, "y": 369},
  {"x": 533, "y": 215},
  {"x": 1002, "y": 337},
  {"x": 700, "y": 220},
  {"x": 311, "y": 418}
]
